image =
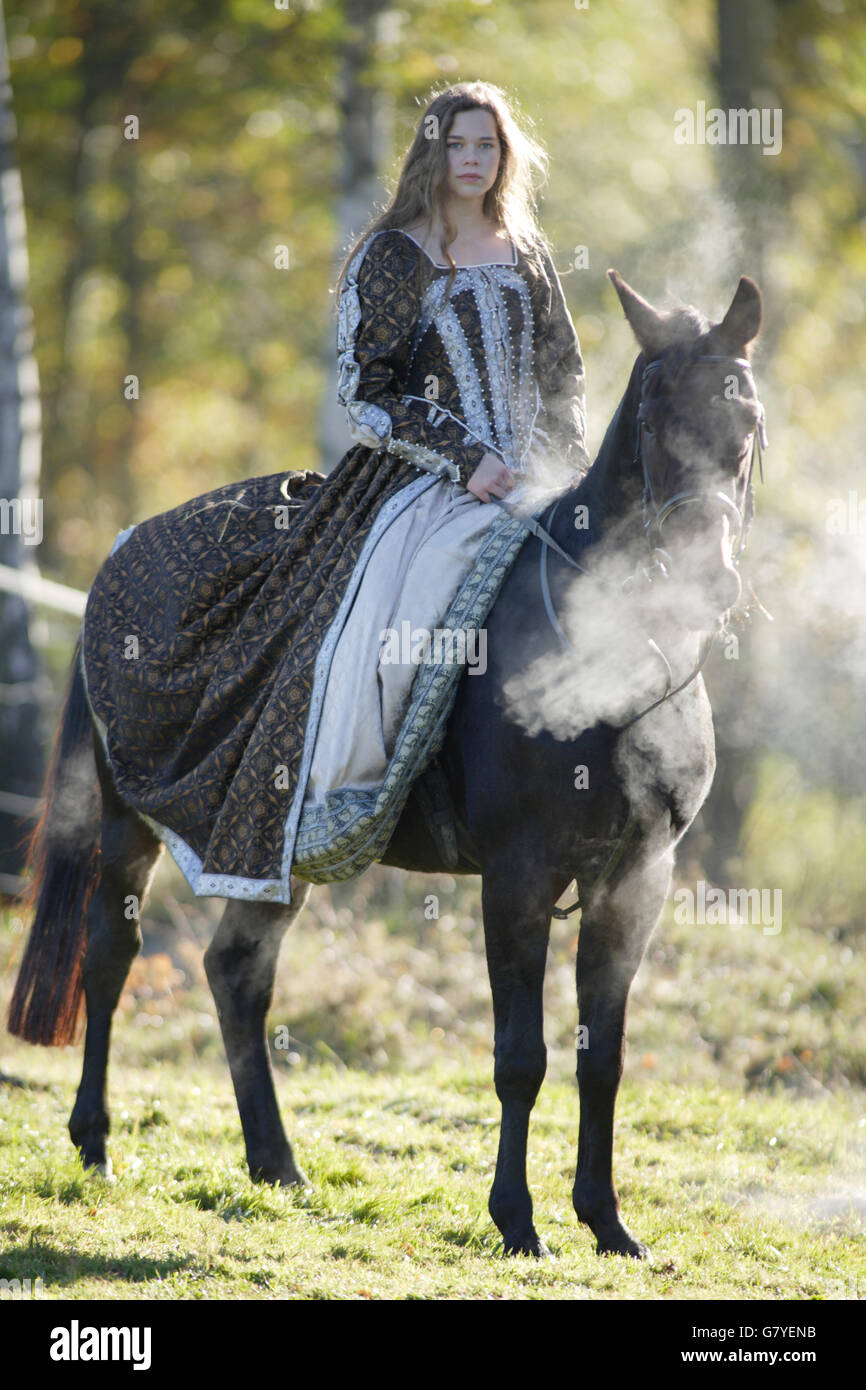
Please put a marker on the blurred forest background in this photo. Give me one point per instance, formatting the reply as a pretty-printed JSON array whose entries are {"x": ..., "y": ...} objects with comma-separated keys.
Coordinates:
[{"x": 262, "y": 126}]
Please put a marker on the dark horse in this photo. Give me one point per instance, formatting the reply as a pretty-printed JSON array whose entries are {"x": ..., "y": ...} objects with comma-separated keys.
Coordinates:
[{"x": 584, "y": 752}]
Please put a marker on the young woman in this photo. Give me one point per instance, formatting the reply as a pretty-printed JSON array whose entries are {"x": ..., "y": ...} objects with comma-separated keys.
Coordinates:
[
  {"x": 457, "y": 355},
  {"x": 257, "y": 704}
]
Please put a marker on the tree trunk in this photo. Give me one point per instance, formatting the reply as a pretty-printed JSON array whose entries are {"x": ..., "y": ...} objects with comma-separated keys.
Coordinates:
[
  {"x": 744, "y": 30},
  {"x": 21, "y": 762},
  {"x": 367, "y": 139}
]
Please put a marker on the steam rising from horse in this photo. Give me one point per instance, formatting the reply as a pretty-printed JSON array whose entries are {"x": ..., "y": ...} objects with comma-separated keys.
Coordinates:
[{"x": 581, "y": 653}]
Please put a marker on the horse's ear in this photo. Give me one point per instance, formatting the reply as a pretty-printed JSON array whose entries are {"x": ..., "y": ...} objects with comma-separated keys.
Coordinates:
[
  {"x": 742, "y": 322},
  {"x": 648, "y": 324}
]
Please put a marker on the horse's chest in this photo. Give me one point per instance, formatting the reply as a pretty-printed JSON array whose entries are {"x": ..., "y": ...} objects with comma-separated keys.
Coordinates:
[{"x": 668, "y": 759}]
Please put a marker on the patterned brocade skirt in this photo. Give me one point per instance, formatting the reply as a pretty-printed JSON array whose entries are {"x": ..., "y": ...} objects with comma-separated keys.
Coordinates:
[{"x": 262, "y": 693}]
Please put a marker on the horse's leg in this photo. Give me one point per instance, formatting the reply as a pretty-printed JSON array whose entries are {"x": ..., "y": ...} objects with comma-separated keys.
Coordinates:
[
  {"x": 614, "y": 931},
  {"x": 129, "y": 852},
  {"x": 516, "y": 931},
  {"x": 241, "y": 962}
]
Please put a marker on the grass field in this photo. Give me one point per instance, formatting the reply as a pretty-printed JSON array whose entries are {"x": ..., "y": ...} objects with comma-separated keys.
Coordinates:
[
  {"x": 737, "y": 1197},
  {"x": 741, "y": 1126}
]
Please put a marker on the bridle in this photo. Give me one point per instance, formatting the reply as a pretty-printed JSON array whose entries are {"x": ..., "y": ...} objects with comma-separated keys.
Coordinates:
[{"x": 655, "y": 515}]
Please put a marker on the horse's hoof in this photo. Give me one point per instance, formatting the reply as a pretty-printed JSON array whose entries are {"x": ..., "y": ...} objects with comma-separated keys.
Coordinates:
[
  {"x": 529, "y": 1245},
  {"x": 285, "y": 1176},
  {"x": 622, "y": 1242},
  {"x": 298, "y": 1180},
  {"x": 103, "y": 1170}
]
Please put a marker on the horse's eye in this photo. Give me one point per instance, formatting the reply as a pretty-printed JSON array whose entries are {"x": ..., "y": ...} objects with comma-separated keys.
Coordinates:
[{"x": 650, "y": 431}]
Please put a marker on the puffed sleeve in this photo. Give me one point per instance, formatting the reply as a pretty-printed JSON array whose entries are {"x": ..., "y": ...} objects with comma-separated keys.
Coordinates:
[
  {"x": 559, "y": 372},
  {"x": 378, "y": 310}
]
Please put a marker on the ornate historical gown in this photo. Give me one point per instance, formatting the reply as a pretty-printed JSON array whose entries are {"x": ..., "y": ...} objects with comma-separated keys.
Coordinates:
[{"x": 231, "y": 645}]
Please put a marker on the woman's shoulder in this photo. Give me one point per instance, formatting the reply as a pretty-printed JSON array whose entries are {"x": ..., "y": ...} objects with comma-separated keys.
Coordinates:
[
  {"x": 381, "y": 262},
  {"x": 390, "y": 246}
]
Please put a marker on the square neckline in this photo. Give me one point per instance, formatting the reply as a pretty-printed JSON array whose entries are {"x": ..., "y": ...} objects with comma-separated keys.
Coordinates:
[{"x": 475, "y": 264}]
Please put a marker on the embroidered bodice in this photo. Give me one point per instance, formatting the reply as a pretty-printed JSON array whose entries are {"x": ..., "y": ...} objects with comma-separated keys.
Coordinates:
[{"x": 439, "y": 374}]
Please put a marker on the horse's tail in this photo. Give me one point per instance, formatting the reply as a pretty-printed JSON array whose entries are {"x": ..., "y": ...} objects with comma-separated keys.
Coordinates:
[{"x": 63, "y": 856}]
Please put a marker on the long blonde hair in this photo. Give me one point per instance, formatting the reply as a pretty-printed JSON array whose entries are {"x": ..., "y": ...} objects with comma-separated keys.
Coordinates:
[{"x": 423, "y": 180}]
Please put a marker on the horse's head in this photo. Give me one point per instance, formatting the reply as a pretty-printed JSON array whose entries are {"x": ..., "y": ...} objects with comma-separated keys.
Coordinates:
[{"x": 697, "y": 423}]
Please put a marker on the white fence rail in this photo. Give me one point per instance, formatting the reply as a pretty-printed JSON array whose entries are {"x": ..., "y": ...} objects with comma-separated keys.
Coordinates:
[{"x": 46, "y": 592}]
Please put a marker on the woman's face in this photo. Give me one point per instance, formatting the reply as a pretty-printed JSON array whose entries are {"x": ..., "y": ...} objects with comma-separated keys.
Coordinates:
[{"x": 473, "y": 149}]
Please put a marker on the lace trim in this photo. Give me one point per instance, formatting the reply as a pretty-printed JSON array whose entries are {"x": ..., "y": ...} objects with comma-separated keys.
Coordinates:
[
  {"x": 515, "y": 398},
  {"x": 496, "y": 336},
  {"x": 370, "y": 424},
  {"x": 465, "y": 371}
]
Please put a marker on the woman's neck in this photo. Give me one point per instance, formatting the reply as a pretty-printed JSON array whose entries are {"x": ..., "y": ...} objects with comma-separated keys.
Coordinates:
[{"x": 471, "y": 223}]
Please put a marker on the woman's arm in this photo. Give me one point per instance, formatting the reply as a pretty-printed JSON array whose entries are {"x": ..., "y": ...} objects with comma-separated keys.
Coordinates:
[
  {"x": 559, "y": 373},
  {"x": 378, "y": 311}
]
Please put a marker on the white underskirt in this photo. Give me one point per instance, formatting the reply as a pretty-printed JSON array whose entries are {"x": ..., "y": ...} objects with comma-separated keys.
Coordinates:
[{"x": 411, "y": 578}]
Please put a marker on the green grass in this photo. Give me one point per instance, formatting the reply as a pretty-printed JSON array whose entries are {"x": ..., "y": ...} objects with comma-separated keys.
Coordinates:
[
  {"x": 741, "y": 1125},
  {"x": 738, "y": 1196}
]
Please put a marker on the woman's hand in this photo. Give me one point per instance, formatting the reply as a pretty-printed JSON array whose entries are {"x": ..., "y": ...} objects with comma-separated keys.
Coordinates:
[{"x": 490, "y": 479}]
